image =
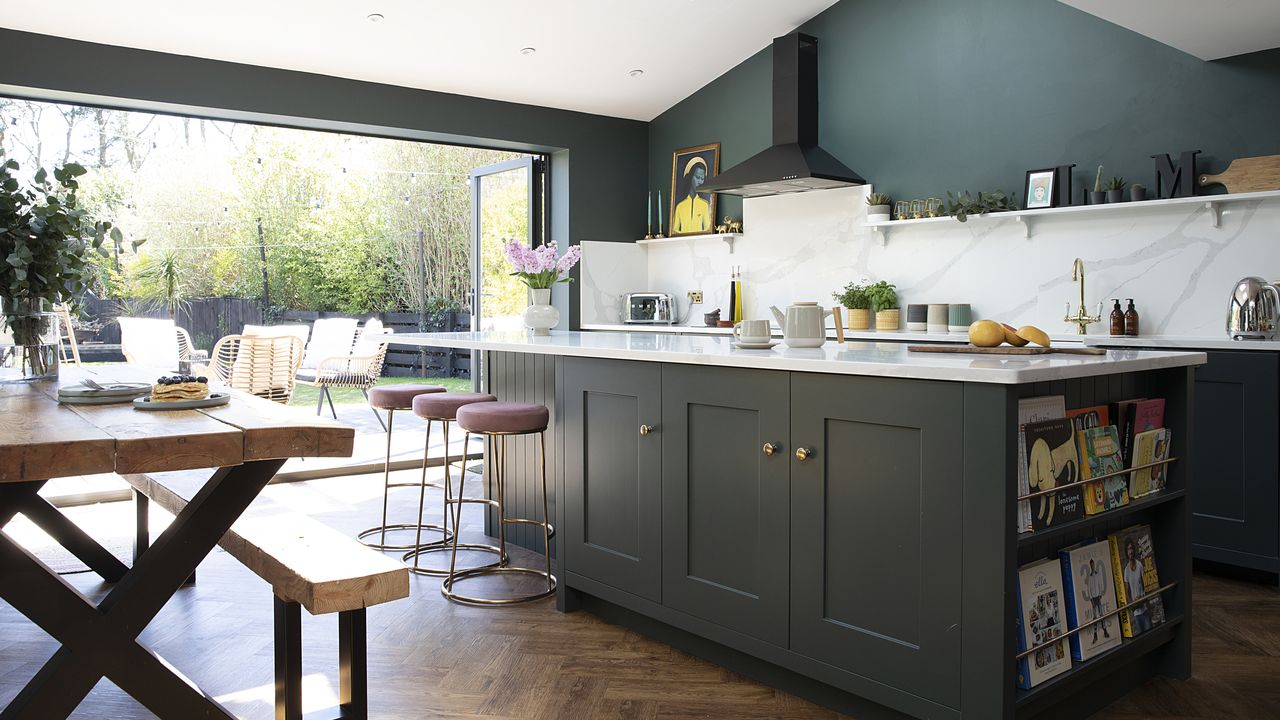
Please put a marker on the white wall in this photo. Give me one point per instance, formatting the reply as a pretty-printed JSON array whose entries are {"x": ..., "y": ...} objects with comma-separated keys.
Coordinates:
[{"x": 1178, "y": 268}]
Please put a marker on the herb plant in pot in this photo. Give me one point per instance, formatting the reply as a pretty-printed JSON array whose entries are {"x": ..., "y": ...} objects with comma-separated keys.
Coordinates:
[
  {"x": 45, "y": 242},
  {"x": 855, "y": 301},
  {"x": 1137, "y": 192},
  {"x": 878, "y": 207},
  {"x": 1098, "y": 196},
  {"x": 1115, "y": 190},
  {"x": 884, "y": 300},
  {"x": 540, "y": 270}
]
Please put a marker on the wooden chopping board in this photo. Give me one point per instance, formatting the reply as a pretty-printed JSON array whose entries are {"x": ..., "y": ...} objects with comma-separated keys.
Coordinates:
[
  {"x": 1004, "y": 350},
  {"x": 1255, "y": 174}
]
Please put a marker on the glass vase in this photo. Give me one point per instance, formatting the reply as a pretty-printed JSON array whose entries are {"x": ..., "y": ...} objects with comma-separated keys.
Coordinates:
[
  {"x": 28, "y": 341},
  {"x": 541, "y": 315}
]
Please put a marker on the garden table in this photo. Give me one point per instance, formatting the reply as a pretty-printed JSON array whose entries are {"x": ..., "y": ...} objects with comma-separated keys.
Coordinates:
[{"x": 247, "y": 441}]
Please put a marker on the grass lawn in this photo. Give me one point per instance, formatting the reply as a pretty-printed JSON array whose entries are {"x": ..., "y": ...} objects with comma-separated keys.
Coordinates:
[{"x": 306, "y": 396}]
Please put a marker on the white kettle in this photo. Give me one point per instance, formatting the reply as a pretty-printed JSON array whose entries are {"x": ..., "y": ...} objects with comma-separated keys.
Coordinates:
[{"x": 803, "y": 325}]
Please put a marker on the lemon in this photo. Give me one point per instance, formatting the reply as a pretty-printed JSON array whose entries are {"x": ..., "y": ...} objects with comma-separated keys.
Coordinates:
[{"x": 986, "y": 333}]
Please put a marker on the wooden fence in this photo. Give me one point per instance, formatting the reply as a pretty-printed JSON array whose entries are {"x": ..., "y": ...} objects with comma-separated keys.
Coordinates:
[{"x": 208, "y": 319}]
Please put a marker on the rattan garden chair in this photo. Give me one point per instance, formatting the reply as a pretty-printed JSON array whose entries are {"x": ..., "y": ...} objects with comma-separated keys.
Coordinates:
[
  {"x": 263, "y": 366},
  {"x": 361, "y": 369}
]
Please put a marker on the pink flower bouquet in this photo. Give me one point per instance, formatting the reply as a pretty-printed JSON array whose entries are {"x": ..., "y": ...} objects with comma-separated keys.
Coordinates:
[{"x": 543, "y": 267}]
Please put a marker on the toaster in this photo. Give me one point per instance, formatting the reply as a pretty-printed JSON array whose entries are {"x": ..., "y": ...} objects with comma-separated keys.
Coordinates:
[
  {"x": 1254, "y": 311},
  {"x": 649, "y": 308}
]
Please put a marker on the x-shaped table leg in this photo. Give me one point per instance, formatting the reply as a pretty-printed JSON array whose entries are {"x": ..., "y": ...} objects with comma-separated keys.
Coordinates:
[
  {"x": 25, "y": 498},
  {"x": 102, "y": 641}
]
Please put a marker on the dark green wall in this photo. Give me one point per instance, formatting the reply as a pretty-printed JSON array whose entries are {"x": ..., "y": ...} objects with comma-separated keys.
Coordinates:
[
  {"x": 599, "y": 160},
  {"x": 925, "y": 96}
]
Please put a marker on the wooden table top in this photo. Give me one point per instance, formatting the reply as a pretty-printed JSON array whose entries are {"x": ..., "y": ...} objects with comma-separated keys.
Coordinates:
[{"x": 41, "y": 439}]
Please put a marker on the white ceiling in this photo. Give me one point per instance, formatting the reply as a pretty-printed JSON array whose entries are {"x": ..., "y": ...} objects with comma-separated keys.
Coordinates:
[
  {"x": 585, "y": 48},
  {"x": 1207, "y": 30}
]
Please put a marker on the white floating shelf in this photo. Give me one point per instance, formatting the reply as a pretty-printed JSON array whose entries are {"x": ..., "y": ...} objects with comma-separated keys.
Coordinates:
[
  {"x": 1212, "y": 203},
  {"x": 727, "y": 237}
]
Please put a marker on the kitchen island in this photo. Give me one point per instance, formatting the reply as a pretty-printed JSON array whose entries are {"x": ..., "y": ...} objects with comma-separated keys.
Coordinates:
[{"x": 840, "y": 521}]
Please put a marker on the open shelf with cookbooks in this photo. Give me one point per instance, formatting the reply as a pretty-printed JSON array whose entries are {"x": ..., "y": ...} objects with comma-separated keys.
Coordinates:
[{"x": 1099, "y": 529}]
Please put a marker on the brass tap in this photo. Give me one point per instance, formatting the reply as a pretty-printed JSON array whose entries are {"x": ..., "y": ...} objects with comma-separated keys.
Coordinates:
[{"x": 1082, "y": 318}]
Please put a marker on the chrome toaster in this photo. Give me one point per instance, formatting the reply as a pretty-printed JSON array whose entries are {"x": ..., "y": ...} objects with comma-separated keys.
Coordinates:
[
  {"x": 1254, "y": 311},
  {"x": 649, "y": 308}
]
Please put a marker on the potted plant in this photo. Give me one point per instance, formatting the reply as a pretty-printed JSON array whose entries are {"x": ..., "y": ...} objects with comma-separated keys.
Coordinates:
[
  {"x": 878, "y": 207},
  {"x": 541, "y": 269},
  {"x": 1115, "y": 190},
  {"x": 855, "y": 301},
  {"x": 45, "y": 241},
  {"x": 1137, "y": 192},
  {"x": 962, "y": 205},
  {"x": 884, "y": 300},
  {"x": 1098, "y": 196}
]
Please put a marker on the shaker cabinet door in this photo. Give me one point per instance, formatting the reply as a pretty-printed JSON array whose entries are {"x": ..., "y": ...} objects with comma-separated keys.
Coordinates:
[
  {"x": 1235, "y": 466},
  {"x": 875, "y": 513},
  {"x": 613, "y": 502},
  {"x": 724, "y": 501}
]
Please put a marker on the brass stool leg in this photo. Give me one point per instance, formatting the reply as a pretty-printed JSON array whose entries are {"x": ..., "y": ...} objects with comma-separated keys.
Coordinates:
[
  {"x": 422, "y": 493},
  {"x": 381, "y": 530},
  {"x": 496, "y": 458},
  {"x": 386, "y": 475}
]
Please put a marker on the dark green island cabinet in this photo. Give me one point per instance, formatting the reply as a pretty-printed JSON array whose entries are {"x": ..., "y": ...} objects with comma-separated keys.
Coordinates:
[{"x": 847, "y": 533}]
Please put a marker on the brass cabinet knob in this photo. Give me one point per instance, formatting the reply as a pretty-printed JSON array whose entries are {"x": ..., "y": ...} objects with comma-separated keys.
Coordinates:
[
  {"x": 646, "y": 429},
  {"x": 803, "y": 454},
  {"x": 769, "y": 448}
]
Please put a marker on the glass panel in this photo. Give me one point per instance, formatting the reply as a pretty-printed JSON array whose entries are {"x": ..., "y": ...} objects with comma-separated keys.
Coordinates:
[{"x": 503, "y": 215}]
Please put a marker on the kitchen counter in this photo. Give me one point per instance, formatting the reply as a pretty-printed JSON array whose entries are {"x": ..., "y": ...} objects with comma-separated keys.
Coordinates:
[
  {"x": 1216, "y": 342},
  {"x": 880, "y": 359}
]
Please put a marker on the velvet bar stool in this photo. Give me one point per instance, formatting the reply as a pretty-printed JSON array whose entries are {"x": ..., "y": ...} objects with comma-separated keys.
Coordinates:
[
  {"x": 443, "y": 408},
  {"x": 392, "y": 398},
  {"x": 497, "y": 421}
]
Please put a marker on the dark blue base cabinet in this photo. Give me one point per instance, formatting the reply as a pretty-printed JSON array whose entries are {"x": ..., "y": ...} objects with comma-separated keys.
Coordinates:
[{"x": 853, "y": 533}]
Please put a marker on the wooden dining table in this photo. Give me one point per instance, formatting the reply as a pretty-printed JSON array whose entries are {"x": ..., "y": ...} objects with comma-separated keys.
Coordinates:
[{"x": 244, "y": 443}]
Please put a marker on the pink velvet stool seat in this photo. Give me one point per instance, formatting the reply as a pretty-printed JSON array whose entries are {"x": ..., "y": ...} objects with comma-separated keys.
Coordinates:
[
  {"x": 399, "y": 397},
  {"x": 497, "y": 421},
  {"x": 443, "y": 407},
  {"x": 504, "y": 418},
  {"x": 392, "y": 398}
]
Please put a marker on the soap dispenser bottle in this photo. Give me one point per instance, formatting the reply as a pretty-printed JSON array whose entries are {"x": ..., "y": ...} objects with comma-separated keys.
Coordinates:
[
  {"x": 1131, "y": 320},
  {"x": 1117, "y": 319}
]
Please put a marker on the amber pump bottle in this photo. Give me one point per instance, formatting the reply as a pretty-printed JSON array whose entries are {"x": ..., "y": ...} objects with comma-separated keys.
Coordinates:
[
  {"x": 1131, "y": 320},
  {"x": 1117, "y": 319}
]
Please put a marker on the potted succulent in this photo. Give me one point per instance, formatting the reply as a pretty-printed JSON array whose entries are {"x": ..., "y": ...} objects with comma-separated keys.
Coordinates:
[
  {"x": 540, "y": 270},
  {"x": 878, "y": 207},
  {"x": 1115, "y": 190},
  {"x": 1098, "y": 196},
  {"x": 884, "y": 301},
  {"x": 45, "y": 242},
  {"x": 855, "y": 301},
  {"x": 1137, "y": 192}
]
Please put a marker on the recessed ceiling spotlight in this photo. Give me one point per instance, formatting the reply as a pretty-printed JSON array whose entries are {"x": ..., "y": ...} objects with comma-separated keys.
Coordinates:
[
  {"x": 376, "y": 17},
  {"x": 528, "y": 51},
  {"x": 636, "y": 73}
]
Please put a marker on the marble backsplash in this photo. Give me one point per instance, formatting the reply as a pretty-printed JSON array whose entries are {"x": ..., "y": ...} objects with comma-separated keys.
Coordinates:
[{"x": 1178, "y": 267}]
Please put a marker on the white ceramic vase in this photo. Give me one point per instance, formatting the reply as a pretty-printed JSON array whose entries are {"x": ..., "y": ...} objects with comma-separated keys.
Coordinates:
[{"x": 541, "y": 315}]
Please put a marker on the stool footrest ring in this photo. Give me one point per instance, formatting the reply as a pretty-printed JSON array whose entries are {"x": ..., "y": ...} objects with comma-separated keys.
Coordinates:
[
  {"x": 446, "y": 536},
  {"x": 448, "y": 547},
  {"x": 446, "y": 586}
]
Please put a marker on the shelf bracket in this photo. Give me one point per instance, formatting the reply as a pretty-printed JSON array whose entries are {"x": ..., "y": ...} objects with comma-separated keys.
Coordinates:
[
  {"x": 881, "y": 233},
  {"x": 1025, "y": 222},
  {"x": 729, "y": 239},
  {"x": 1215, "y": 210}
]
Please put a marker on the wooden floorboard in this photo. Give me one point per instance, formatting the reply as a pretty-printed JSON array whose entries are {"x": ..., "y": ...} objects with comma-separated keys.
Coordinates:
[{"x": 432, "y": 659}]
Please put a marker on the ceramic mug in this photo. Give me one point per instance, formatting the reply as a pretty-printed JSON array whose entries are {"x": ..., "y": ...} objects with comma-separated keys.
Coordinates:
[
  {"x": 959, "y": 316},
  {"x": 752, "y": 332},
  {"x": 937, "y": 317},
  {"x": 917, "y": 317}
]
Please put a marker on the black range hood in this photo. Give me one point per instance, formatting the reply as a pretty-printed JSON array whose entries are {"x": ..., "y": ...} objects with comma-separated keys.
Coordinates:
[{"x": 795, "y": 162}]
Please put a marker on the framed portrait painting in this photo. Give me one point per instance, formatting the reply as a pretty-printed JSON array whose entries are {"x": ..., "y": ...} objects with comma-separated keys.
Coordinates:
[
  {"x": 693, "y": 212},
  {"x": 1040, "y": 190}
]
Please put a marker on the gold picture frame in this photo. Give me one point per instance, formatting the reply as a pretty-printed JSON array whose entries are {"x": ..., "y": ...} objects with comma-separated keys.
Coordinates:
[{"x": 693, "y": 212}]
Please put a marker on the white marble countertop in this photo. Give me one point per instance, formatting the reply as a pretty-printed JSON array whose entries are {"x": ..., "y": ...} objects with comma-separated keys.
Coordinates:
[
  {"x": 883, "y": 359},
  {"x": 1218, "y": 342},
  {"x": 869, "y": 335}
]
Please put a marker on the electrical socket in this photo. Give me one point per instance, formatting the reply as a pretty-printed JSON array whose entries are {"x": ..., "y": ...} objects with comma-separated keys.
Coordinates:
[{"x": 695, "y": 297}]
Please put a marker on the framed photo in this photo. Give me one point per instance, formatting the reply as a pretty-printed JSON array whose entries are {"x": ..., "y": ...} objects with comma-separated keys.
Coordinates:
[
  {"x": 693, "y": 212},
  {"x": 1040, "y": 190}
]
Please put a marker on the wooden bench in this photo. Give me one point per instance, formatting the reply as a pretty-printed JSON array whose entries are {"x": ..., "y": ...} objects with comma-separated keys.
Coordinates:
[{"x": 307, "y": 564}]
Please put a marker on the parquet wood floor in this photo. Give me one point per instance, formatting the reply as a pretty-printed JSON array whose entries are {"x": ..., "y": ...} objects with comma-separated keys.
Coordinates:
[{"x": 433, "y": 659}]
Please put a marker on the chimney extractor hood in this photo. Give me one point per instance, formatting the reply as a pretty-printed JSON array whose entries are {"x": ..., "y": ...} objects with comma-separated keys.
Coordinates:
[{"x": 795, "y": 162}]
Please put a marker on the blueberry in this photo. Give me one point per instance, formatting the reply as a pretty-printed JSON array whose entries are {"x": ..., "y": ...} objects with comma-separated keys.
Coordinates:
[{"x": 202, "y": 379}]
